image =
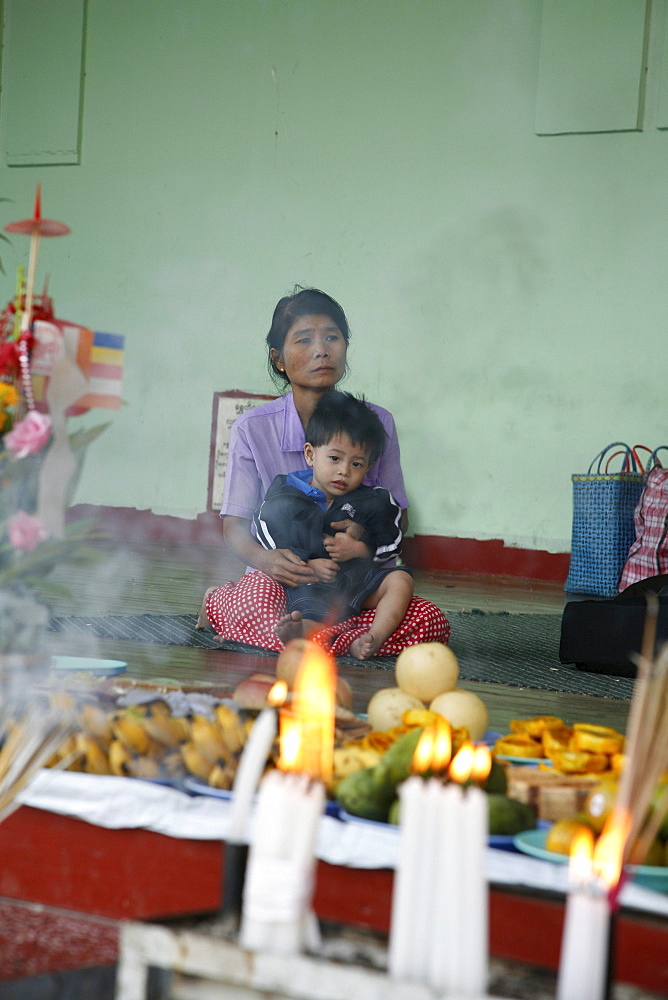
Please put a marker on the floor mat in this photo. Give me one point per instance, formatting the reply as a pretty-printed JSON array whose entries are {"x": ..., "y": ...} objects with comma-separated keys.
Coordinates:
[{"x": 518, "y": 650}]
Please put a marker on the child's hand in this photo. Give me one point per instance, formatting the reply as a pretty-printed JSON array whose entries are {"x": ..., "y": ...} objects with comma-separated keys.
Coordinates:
[
  {"x": 342, "y": 547},
  {"x": 324, "y": 569}
]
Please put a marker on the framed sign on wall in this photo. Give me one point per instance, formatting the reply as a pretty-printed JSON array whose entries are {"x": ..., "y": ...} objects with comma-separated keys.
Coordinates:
[{"x": 227, "y": 406}]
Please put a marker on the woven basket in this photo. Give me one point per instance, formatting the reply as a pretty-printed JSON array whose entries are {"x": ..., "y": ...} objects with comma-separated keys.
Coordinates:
[{"x": 603, "y": 526}]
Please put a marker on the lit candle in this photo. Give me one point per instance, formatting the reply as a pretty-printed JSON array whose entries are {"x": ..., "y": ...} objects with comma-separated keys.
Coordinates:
[
  {"x": 583, "y": 964},
  {"x": 474, "y": 896},
  {"x": 439, "y": 927},
  {"x": 279, "y": 881},
  {"x": 414, "y": 886},
  {"x": 277, "y": 914},
  {"x": 444, "y": 968}
]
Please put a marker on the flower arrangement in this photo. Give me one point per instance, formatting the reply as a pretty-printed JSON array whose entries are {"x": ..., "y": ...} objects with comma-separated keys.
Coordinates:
[{"x": 40, "y": 463}]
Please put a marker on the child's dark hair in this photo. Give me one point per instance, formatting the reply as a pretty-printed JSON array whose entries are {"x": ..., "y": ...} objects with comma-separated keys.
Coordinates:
[{"x": 343, "y": 413}]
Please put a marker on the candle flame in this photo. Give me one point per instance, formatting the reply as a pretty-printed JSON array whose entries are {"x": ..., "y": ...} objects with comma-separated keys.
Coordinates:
[
  {"x": 307, "y": 725},
  {"x": 610, "y": 846},
  {"x": 434, "y": 748},
  {"x": 581, "y": 852},
  {"x": 461, "y": 767},
  {"x": 277, "y": 694},
  {"x": 482, "y": 763}
]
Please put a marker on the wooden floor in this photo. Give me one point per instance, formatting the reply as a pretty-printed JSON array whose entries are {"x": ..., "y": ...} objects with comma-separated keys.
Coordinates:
[{"x": 171, "y": 579}]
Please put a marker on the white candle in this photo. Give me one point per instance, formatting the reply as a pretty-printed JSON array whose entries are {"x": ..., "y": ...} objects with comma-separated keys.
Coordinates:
[
  {"x": 444, "y": 973},
  {"x": 251, "y": 765},
  {"x": 400, "y": 958},
  {"x": 474, "y": 896},
  {"x": 279, "y": 881},
  {"x": 414, "y": 886},
  {"x": 584, "y": 945},
  {"x": 422, "y": 923}
]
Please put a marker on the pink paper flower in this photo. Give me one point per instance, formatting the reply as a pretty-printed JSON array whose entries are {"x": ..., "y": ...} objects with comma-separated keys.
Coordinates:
[
  {"x": 26, "y": 532},
  {"x": 30, "y": 434}
]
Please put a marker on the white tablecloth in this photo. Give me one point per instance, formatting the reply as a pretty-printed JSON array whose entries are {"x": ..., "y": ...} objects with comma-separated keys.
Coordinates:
[{"x": 124, "y": 803}]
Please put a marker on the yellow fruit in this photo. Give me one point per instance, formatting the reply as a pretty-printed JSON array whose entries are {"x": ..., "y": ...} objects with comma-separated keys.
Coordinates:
[
  {"x": 95, "y": 759},
  {"x": 119, "y": 758},
  {"x": 580, "y": 762},
  {"x": 518, "y": 745},
  {"x": 167, "y": 730},
  {"x": 128, "y": 727},
  {"x": 598, "y": 804},
  {"x": 537, "y": 725},
  {"x": 561, "y": 834},
  {"x": 96, "y": 722},
  {"x": 554, "y": 740},
  {"x": 208, "y": 739},
  {"x": 387, "y": 706},
  {"x": 419, "y": 717},
  {"x": 231, "y": 727},
  {"x": 463, "y": 708},
  {"x": 597, "y": 739},
  {"x": 426, "y": 670},
  {"x": 198, "y": 765}
]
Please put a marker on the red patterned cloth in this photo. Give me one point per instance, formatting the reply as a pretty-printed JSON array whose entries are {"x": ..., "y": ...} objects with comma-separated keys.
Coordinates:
[
  {"x": 247, "y": 612},
  {"x": 648, "y": 555}
]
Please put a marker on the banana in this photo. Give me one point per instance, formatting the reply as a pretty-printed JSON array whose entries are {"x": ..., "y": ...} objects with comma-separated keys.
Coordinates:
[
  {"x": 221, "y": 777},
  {"x": 231, "y": 727},
  {"x": 208, "y": 739},
  {"x": 157, "y": 707},
  {"x": 94, "y": 758},
  {"x": 119, "y": 758},
  {"x": 96, "y": 722},
  {"x": 171, "y": 764},
  {"x": 128, "y": 726},
  {"x": 195, "y": 761},
  {"x": 141, "y": 766},
  {"x": 165, "y": 729}
]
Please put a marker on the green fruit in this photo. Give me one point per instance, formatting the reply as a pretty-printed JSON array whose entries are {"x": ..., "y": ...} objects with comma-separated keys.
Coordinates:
[
  {"x": 497, "y": 780},
  {"x": 508, "y": 816},
  {"x": 393, "y": 815},
  {"x": 656, "y": 797},
  {"x": 394, "y": 766},
  {"x": 360, "y": 795}
]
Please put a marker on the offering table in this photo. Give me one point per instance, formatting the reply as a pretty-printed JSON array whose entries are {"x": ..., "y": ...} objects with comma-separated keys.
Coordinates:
[{"x": 118, "y": 873}]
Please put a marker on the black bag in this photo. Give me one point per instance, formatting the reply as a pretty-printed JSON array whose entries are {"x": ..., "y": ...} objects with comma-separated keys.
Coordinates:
[{"x": 602, "y": 636}]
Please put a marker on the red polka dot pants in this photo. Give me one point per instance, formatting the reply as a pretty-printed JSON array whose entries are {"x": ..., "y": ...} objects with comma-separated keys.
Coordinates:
[{"x": 248, "y": 611}]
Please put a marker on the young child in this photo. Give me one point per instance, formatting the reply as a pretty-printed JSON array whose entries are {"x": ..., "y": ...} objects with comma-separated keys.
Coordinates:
[{"x": 343, "y": 438}]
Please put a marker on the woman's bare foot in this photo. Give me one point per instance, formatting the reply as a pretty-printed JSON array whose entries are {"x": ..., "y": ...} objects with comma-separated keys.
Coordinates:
[
  {"x": 290, "y": 627},
  {"x": 364, "y": 646},
  {"x": 203, "y": 624}
]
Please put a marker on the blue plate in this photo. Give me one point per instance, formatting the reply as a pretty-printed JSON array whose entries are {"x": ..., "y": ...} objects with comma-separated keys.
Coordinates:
[
  {"x": 532, "y": 842},
  {"x": 197, "y": 787},
  {"x": 525, "y": 761},
  {"x": 88, "y": 665}
]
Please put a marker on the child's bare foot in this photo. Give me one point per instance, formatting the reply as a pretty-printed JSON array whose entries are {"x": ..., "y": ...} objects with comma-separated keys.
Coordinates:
[
  {"x": 290, "y": 627},
  {"x": 364, "y": 646},
  {"x": 203, "y": 623}
]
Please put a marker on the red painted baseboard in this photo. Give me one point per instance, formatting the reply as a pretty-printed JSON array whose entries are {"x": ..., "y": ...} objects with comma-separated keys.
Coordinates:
[{"x": 424, "y": 552}]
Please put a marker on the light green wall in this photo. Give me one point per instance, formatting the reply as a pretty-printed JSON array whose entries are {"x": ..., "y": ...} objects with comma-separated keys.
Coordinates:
[{"x": 507, "y": 292}]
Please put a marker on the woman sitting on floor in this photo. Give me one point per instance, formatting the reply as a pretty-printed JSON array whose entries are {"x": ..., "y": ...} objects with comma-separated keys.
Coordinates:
[{"x": 308, "y": 343}]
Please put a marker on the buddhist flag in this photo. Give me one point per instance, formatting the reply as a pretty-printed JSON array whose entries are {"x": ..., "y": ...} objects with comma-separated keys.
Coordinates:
[{"x": 98, "y": 355}]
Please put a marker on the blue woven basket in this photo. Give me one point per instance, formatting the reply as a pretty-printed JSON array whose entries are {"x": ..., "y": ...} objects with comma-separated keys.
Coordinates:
[{"x": 603, "y": 526}]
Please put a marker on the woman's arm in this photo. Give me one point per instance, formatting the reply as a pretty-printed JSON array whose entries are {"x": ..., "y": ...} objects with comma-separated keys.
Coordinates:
[{"x": 281, "y": 564}]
